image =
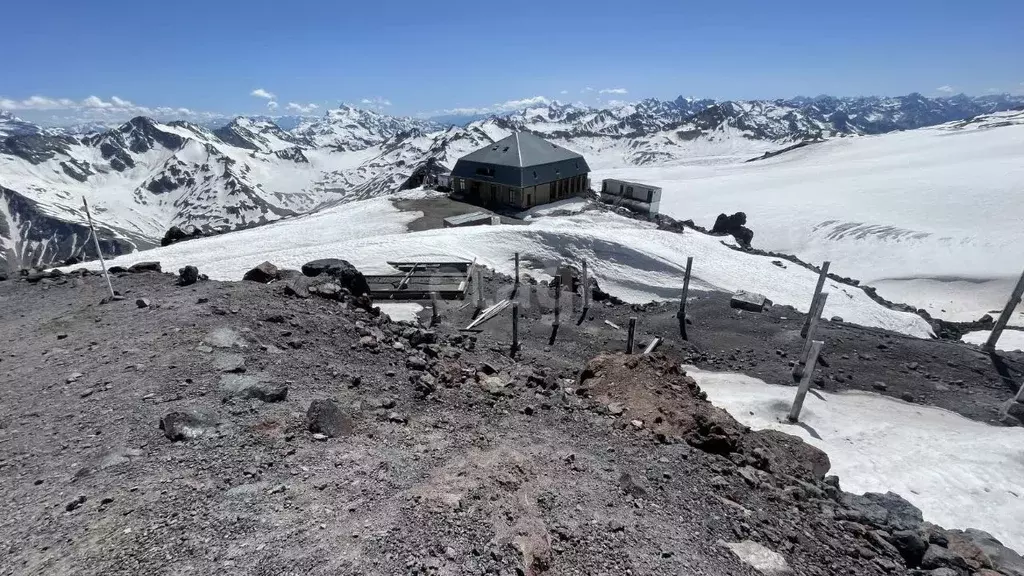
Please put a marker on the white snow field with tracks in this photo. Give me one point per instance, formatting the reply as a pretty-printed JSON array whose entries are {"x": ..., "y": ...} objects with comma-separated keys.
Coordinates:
[
  {"x": 930, "y": 217},
  {"x": 960, "y": 473},
  {"x": 630, "y": 259},
  {"x": 1009, "y": 340}
]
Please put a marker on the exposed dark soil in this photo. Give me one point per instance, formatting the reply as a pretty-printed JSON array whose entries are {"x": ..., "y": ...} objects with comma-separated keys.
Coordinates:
[
  {"x": 435, "y": 210},
  {"x": 479, "y": 464}
]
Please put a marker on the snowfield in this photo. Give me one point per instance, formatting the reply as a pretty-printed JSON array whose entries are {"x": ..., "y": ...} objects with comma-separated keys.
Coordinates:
[
  {"x": 960, "y": 473},
  {"x": 631, "y": 259},
  {"x": 930, "y": 217},
  {"x": 1009, "y": 340}
]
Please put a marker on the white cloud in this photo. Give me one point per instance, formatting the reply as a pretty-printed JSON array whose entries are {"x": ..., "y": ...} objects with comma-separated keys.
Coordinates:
[
  {"x": 271, "y": 105},
  {"x": 613, "y": 91},
  {"x": 947, "y": 89},
  {"x": 308, "y": 108},
  {"x": 587, "y": 89},
  {"x": 376, "y": 102},
  {"x": 261, "y": 93},
  {"x": 507, "y": 106},
  {"x": 96, "y": 109},
  {"x": 564, "y": 92}
]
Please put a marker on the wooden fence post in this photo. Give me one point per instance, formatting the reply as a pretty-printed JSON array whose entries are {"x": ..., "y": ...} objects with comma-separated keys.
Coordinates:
[
  {"x": 629, "y": 337},
  {"x": 433, "y": 309},
  {"x": 558, "y": 301},
  {"x": 815, "y": 316},
  {"x": 479, "y": 289},
  {"x": 682, "y": 300},
  {"x": 99, "y": 252},
  {"x": 817, "y": 291},
  {"x": 1004, "y": 318},
  {"x": 586, "y": 287},
  {"x": 805, "y": 382},
  {"x": 515, "y": 328},
  {"x": 517, "y": 268}
]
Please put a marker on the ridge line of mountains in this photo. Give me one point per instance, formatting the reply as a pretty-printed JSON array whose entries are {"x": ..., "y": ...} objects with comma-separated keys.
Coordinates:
[{"x": 145, "y": 176}]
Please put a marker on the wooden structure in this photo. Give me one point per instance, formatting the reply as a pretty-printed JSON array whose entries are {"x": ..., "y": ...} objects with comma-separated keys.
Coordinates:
[{"x": 418, "y": 280}]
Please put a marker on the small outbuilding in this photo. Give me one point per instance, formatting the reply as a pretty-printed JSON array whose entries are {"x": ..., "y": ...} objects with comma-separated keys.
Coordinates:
[
  {"x": 633, "y": 195},
  {"x": 520, "y": 171}
]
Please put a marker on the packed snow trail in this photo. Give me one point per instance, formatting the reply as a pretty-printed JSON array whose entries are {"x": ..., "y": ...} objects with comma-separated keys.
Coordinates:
[{"x": 960, "y": 473}]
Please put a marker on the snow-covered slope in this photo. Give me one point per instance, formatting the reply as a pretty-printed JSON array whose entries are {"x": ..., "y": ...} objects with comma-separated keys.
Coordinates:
[
  {"x": 930, "y": 217},
  {"x": 631, "y": 259}
]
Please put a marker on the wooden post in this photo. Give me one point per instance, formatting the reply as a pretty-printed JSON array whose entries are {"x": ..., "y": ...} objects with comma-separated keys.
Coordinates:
[
  {"x": 586, "y": 287},
  {"x": 682, "y": 299},
  {"x": 515, "y": 327},
  {"x": 1004, "y": 318},
  {"x": 817, "y": 291},
  {"x": 433, "y": 309},
  {"x": 99, "y": 252},
  {"x": 805, "y": 382},
  {"x": 479, "y": 289},
  {"x": 558, "y": 301},
  {"x": 815, "y": 316},
  {"x": 653, "y": 345},
  {"x": 629, "y": 337},
  {"x": 517, "y": 268}
]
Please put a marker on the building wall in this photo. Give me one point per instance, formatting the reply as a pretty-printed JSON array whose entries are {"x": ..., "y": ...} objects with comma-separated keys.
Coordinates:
[
  {"x": 521, "y": 197},
  {"x": 632, "y": 190}
]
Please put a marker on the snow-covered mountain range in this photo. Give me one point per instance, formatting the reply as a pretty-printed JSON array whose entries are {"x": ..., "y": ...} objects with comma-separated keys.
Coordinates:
[{"x": 145, "y": 176}]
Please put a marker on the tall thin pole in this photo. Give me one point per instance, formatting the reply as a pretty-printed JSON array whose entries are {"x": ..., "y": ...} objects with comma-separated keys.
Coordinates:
[
  {"x": 517, "y": 268},
  {"x": 815, "y": 316},
  {"x": 99, "y": 252},
  {"x": 1004, "y": 318},
  {"x": 630, "y": 336},
  {"x": 805, "y": 382},
  {"x": 515, "y": 327},
  {"x": 586, "y": 286},
  {"x": 822, "y": 276},
  {"x": 682, "y": 299},
  {"x": 479, "y": 289}
]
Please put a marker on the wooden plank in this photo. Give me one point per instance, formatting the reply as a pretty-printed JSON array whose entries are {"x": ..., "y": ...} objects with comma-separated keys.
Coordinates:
[
  {"x": 653, "y": 345},
  {"x": 822, "y": 276},
  {"x": 612, "y": 324},
  {"x": 488, "y": 314},
  {"x": 1004, "y": 318},
  {"x": 805, "y": 382}
]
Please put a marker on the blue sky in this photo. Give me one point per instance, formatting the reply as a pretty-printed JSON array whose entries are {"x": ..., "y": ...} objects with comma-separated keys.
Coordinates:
[{"x": 416, "y": 56}]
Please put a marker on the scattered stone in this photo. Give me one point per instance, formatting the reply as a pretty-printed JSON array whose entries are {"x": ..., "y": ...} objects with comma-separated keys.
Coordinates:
[
  {"x": 985, "y": 550},
  {"x": 836, "y": 319},
  {"x": 188, "y": 276},
  {"x": 416, "y": 363},
  {"x": 75, "y": 504},
  {"x": 397, "y": 417},
  {"x": 142, "y": 303},
  {"x": 911, "y": 545},
  {"x": 239, "y": 386},
  {"x": 264, "y": 273},
  {"x": 187, "y": 425},
  {"x": 224, "y": 337},
  {"x": 616, "y": 408},
  {"x": 487, "y": 368},
  {"x": 341, "y": 270},
  {"x": 880, "y": 386},
  {"x": 886, "y": 511},
  {"x": 939, "y": 557},
  {"x": 71, "y": 379},
  {"x": 326, "y": 417},
  {"x": 229, "y": 363},
  {"x": 907, "y": 397},
  {"x": 749, "y": 301},
  {"x": 144, "y": 267},
  {"x": 759, "y": 558},
  {"x": 494, "y": 385}
]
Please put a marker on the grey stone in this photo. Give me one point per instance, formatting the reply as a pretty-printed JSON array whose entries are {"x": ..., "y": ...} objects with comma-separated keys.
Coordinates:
[
  {"x": 911, "y": 545},
  {"x": 264, "y": 273},
  {"x": 326, "y": 417},
  {"x": 939, "y": 557},
  {"x": 225, "y": 337},
  {"x": 186, "y": 425},
  {"x": 749, "y": 301},
  {"x": 245, "y": 387},
  {"x": 1013, "y": 408},
  {"x": 416, "y": 363},
  {"x": 142, "y": 303},
  {"x": 229, "y": 363},
  {"x": 1003, "y": 559},
  {"x": 145, "y": 267},
  {"x": 887, "y": 510}
]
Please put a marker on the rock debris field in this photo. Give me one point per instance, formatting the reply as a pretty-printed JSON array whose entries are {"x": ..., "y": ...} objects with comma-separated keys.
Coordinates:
[{"x": 201, "y": 427}]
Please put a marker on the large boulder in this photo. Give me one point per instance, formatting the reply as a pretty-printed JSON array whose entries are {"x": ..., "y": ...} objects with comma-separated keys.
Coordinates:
[
  {"x": 982, "y": 550},
  {"x": 326, "y": 417},
  {"x": 344, "y": 272},
  {"x": 735, "y": 226},
  {"x": 888, "y": 511},
  {"x": 188, "y": 275},
  {"x": 264, "y": 273},
  {"x": 174, "y": 234},
  {"x": 250, "y": 387}
]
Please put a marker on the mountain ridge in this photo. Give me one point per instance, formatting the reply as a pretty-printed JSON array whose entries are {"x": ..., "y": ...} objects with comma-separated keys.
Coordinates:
[{"x": 145, "y": 176}]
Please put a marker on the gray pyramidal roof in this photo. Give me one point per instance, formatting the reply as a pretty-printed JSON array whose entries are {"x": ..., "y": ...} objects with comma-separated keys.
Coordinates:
[{"x": 521, "y": 160}]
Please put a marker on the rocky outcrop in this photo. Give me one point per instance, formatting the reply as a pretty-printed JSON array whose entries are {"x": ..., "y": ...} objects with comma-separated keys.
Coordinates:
[
  {"x": 735, "y": 226},
  {"x": 347, "y": 275}
]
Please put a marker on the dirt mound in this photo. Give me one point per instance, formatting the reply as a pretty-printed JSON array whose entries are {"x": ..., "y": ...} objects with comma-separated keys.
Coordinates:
[{"x": 654, "y": 393}]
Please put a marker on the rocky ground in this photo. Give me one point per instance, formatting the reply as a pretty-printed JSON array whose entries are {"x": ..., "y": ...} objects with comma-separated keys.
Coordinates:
[{"x": 242, "y": 428}]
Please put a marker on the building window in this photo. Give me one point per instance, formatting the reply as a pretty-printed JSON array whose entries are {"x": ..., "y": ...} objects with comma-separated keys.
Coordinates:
[
  {"x": 650, "y": 196},
  {"x": 629, "y": 191},
  {"x": 485, "y": 171}
]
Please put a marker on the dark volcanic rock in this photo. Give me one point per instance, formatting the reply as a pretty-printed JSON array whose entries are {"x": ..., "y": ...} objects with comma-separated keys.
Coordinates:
[
  {"x": 264, "y": 273},
  {"x": 241, "y": 386},
  {"x": 911, "y": 544},
  {"x": 887, "y": 511},
  {"x": 347, "y": 275},
  {"x": 938, "y": 557},
  {"x": 178, "y": 426},
  {"x": 326, "y": 417},
  {"x": 145, "y": 267},
  {"x": 188, "y": 275},
  {"x": 734, "y": 225}
]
